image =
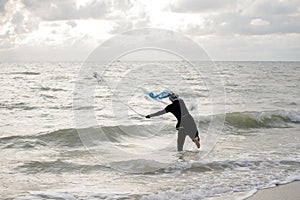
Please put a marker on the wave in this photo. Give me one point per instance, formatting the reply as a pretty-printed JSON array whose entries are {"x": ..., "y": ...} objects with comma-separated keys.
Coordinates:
[
  {"x": 264, "y": 119},
  {"x": 51, "y": 89},
  {"x": 20, "y": 105},
  {"x": 70, "y": 137},
  {"x": 235, "y": 165},
  {"x": 144, "y": 166},
  {"x": 27, "y": 73},
  {"x": 56, "y": 166},
  {"x": 63, "y": 137},
  {"x": 250, "y": 120}
]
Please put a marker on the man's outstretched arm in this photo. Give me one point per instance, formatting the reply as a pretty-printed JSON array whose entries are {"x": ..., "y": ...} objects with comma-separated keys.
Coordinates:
[{"x": 157, "y": 113}]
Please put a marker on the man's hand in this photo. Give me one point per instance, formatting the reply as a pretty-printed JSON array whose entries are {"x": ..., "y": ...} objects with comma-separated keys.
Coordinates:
[{"x": 147, "y": 116}]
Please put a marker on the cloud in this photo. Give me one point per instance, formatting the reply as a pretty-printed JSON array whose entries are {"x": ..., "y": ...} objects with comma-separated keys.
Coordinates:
[
  {"x": 259, "y": 22},
  {"x": 200, "y": 5},
  {"x": 249, "y": 47},
  {"x": 235, "y": 23},
  {"x": 22, "y": 19},
  {"x": 270, "y": 7},
  {"x": 229, "y": 24},
  {"x": 134, "y": 17},
  {"x": 71, "y": 23},
  {"x": 2, "y": 5},
  {"x": 128, "y": 23},
  {"x": 15, "y": 23},
  {"x": 121, "y": 26},
  {"x": 53, "y": 10},
  {"x": 249, "y": 18},
  {"x": 257, "y": 7}
]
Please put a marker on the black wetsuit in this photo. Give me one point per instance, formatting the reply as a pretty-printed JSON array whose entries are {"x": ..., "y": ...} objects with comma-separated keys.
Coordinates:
[{"x": 185, "y": 122}]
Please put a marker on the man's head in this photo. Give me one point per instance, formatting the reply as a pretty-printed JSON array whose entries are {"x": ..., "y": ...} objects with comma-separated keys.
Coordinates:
[{"x": 173, "y": 97}]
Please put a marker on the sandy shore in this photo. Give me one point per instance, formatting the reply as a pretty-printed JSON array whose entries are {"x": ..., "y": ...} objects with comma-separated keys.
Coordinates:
[{"x": 289, "y": 191}]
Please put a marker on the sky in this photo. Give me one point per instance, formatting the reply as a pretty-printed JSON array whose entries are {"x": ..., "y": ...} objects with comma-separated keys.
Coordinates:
[{"x": 69, "y": 30}]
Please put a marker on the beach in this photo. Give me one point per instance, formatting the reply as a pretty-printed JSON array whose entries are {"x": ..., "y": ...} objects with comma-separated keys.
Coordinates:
[{"x": 288, "y": 191}]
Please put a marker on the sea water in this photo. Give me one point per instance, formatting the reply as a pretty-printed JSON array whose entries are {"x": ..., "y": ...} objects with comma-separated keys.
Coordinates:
[{"x": 44, "y": 157}]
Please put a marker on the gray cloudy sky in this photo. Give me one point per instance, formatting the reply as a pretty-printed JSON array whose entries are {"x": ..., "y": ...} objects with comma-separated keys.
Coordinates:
[{"x": 52, "y": 30}]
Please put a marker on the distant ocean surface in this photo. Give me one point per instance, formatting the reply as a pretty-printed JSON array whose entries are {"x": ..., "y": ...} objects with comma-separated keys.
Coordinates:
[{"x": 43, "y": 157}]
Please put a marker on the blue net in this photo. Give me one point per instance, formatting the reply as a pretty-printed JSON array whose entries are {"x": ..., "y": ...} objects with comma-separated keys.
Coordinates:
[
  {"x": 159, "y": 96},
  {"x": 162, "y": 95}
]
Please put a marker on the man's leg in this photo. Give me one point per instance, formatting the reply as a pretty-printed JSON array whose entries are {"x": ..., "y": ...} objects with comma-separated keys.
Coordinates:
[
  {"x": 197, "y": 140},
  {"x": 180, "y": 140},
  {"x": 191, "y": 130}
]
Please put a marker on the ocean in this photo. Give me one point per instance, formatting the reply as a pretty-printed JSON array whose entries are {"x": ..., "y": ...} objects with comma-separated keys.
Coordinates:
[{"x": 49, "y": 150}]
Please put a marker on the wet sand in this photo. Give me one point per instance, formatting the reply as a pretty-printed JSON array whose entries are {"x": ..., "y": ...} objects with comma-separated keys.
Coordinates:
[{"x": 289, "y": 191}]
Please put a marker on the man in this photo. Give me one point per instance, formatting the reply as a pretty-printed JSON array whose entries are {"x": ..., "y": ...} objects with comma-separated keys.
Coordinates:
[{"x": 185, "y": 122}]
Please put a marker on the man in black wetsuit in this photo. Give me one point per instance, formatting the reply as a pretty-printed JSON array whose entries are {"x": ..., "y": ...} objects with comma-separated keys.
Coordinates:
[{"x": 185, "y": 122}]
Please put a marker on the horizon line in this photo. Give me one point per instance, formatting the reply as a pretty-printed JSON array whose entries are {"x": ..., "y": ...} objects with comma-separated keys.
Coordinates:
[{"x": 52, "y": 61}]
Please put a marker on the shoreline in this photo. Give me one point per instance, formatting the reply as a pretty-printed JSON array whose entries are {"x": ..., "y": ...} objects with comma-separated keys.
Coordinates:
[{"x": 289, "y": 191}]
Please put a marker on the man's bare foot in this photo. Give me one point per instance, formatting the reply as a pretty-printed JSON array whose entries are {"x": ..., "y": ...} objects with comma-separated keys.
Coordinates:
[{"x": 196, "y": 140}]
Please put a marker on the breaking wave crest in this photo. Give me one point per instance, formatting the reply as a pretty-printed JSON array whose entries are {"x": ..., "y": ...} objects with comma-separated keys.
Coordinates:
[
  {"x": 267, "y": 119},
  {"x": 233, "y": 121},
  {"x": 151, "y": 166},
  {"x": 69, "y": 137}
]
